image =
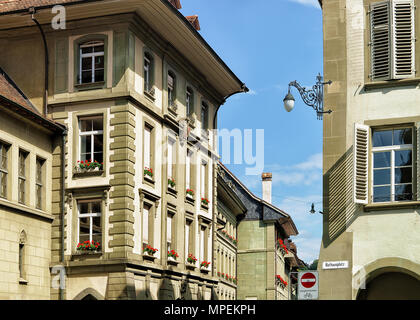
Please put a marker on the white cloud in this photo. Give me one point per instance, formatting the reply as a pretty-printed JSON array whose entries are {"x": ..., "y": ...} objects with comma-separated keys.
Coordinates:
[
  {"x": 312, "y": 3},
  {"x": 314, "y": 162},
  {"x": 252, "y": 92}
]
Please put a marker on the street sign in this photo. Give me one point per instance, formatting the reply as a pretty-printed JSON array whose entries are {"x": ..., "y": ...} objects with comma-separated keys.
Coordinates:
[
  {"x": 308, "y": 285},
  {"x": 335, "y": 265}
]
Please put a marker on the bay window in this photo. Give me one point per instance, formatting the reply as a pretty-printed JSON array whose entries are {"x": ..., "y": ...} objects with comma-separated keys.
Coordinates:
[
  {"x": 89, "y": 220},
  {"x": 91, "y": 138}
]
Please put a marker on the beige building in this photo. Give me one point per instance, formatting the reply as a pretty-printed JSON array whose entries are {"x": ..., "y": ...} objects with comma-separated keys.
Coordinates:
[
  {"x": 27, "y": 143},
  {"x": 138, "y": 89},
  {"x": 371, "y": 150}
]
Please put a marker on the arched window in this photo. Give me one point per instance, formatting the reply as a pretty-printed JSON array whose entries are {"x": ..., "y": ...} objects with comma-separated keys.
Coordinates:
[{"x": 92, "y": 62}]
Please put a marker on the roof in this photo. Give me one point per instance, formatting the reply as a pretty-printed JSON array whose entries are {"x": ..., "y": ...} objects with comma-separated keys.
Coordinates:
[
  {"x": 7, "y": 6},
  {"x": 16, "y": 101},
  {"x": 285, "y": 221},
  {"x": 194, "y": 21}
]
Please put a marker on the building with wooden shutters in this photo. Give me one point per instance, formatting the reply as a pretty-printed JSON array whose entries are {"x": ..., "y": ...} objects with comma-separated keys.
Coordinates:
[{"x": 371, "y": 150}]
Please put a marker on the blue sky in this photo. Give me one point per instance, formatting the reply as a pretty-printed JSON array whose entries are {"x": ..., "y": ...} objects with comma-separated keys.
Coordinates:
[{"x": 268, "y": 44}]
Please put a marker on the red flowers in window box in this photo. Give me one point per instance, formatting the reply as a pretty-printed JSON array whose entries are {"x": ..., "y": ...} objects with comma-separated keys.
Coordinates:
[
  {"x": 231, "y": 238},
  {"x": 88, "y": 164},
  {"x": 283, "y": 247},
  {"x": 281, "y": 281},
  {"x": 190, "y": 192},
  {"x": 205, "y": 201},
  {"x": 148, "y": 172},
  {"x": 191, "y": 259},
  {"x": 150, "y": 250},
  {"x": 172, "y": 254},
  {"x": 204, "y": 264},
  {"x": 171, "y": 182},
  {"x": 88, "y": 246}
]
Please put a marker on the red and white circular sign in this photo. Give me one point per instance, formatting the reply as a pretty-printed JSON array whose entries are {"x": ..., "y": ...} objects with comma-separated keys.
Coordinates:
[{"x": 308, "y": 280}]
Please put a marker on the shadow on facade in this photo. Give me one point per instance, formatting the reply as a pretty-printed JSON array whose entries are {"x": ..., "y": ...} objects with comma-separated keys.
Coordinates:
[{"x": 338, "y": 205}]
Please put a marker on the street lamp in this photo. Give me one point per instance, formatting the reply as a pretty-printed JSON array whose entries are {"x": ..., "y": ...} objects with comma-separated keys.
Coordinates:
[{"x": 313, "y": 98}]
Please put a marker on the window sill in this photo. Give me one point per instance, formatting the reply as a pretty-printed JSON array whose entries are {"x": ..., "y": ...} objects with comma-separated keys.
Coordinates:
[
  {"x": 150, "y": 96},
  {"x": 88, "y": 173},
  {"x": 205, "y": 207},
  {"x": 204, "y": 270},
  {"x": 23, "y": 281},
  {"x": 90, "y": 86},
  {"x": 148, "y": 180},
  {"x": 173, "y": 262},
  {"x": 190, "y": 266},
  {"x": 390, "y": 206},
  {"x": 391, "y": 83},
  {"x": 148, "y": 257},
  {"x": 172, "y": 191},
  {"x": 189, "y": 200},
  {"x": 79, "y": 254}
]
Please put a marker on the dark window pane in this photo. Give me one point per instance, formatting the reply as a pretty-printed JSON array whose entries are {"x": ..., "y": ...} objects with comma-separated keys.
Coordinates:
[
  {"x": 403, "y": 158},
  {"x": 382, "y": 159},
  {"x": 382, "y": 138},
  {"x": 98, "y": 124},
  {"x": 99, "y": 48},
  {"x": 403, "y": 192},
  {"x": 98, "y": 143},
  {"x": 86, "y": 76},
  {"x": 85, "y": 146},
  {"x": 99, "y": 75},
  {"x": 403, "y": 175},
  {"x": 98, "y": 157},
  {"x": 382, "y": 194},
  {"x": 403, "y": 136},
  {"x": 381, "y": 177},
  {"x": 86, "y": 64},
  {"x": 85, "y": 156},
  {"x": 87, "y": 50},
  {"x": 84, "y": 208},
  {"x": 99, "y": 62},
  {"x": 96, "y": 207},
  {"x": 85, "y": 125}
]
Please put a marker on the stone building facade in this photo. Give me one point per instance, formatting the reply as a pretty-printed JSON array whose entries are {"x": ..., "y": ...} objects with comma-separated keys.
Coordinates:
[
  {"x": 27, "y": 143},
  {"x": 138, "y": 90},
  {"x": 265, "y": 255},
  {"x": 371, "y": 150}
]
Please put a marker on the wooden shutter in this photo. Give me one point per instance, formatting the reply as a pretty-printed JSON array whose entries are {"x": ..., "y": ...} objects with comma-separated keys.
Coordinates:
[
  {"x": 403, "y": 38},
  {"x": 416, "y": 189},
  {"x": 361, "y": 156},
  {"x": 380, "y": 27}
]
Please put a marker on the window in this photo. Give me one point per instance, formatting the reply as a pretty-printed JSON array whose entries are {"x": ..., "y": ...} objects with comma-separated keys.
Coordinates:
[
  {"x": 171, "y": 155},
  {"x": 188, "y": 170},
  {"x": 145, "y": 223},
  {"x": 203, "y": 180},
  {"x": 39, "y": 183},
  {"x": 169, "y": 232},
  {"x": 203, "y": 255},
  {"x": 392, "y": 152},
  {"x": 22, "y": 177},
  {"x": 392, "y": 39},
  {"x": 148, "y": 72},
  {"x": 90, "y": 214},
  {"x": 91, "y": 138},
  {"x": 188, "y": 237},
  {"x": 22, "y": 250},
  {"x": 147, "y": 151},
  {"x": 204, "y": 116},
  {"x": 3, "y": 169},
  {"x": 171, "y": 89},
  {"x": 92, "y": 62},
  {"x": 189, "y": 101}
]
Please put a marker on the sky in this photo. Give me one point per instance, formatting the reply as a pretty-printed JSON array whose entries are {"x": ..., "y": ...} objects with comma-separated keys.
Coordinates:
[{"x": 267, "y": 44}]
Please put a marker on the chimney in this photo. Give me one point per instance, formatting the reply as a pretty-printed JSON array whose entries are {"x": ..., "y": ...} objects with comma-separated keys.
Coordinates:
[{"x": 266, "y": 186}]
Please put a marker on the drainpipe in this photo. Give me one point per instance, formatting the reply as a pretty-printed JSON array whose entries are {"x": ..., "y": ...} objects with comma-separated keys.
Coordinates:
[
  {"x": 63, "y": 181},
  {"x": 46, "y": 62}
]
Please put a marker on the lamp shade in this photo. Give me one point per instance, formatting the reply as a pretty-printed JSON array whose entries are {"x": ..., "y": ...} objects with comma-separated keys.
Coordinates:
[{"x": 289, "y": 102}]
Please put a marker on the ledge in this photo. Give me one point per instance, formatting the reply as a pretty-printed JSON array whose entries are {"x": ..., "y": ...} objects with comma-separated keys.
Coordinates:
[
  {"x": 25, "y": 209},
  {"x": 173, "y": 262},
  {"x": 90, "y": 86},
  {"x": 23, "y": 281},
  {"x": 390, "y": 83},
  {"x": 148, "y": 257},
  {"x": 85, "y": 254},
  {"x": 149, "y": 96},
  {"x": 172, "y": 191},
  {"x": 149, "y": 181},
  {"x": 391, "y": 206},
  {"x": 85, "y": 174}
]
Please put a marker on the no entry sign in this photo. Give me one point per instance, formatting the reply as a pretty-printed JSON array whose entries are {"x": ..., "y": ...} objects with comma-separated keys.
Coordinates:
[{"x": 308, "y": 285}]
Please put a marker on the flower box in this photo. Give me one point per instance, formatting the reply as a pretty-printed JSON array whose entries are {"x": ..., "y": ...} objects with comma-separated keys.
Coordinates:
[
  {"x": 171, "y": 183},
  {"x": 190, "y": 193},
  {"x": 205, "y": 202},
  {"x": 281, "y": 282},
  {"x": 149, "y": 252},
  {"x": 88, "y": 247},
  {"x": 204, "y": 266},
  {"x": 148, "y": 173}
]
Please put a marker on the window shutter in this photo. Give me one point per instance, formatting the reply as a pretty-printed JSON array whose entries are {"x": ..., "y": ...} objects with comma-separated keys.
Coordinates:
[
  {"x": 380, "y": 40},
  {"x": 361, "y": 142},
  {"x": 403, "y": 35},
  {"x": 417, "y": 163}
]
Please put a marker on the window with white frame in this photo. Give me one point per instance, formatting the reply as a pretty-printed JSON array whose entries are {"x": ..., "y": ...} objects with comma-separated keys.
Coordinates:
[
  {"x": 392, "y": 33},
  {"x": 169, "y": 231},
  {"x": 203, "y": 180},
  {"x": 147, "y": 147},
  {"x": 92, "y": 62},
  {"x": 188, "y": 234},
  {"x": 3, "y": 169},
  {"x": 203, "y": 244},
  {"x": 145, "y": 224},
  {"x": 392, "y": 158},
  {"x": 188, "y": 170},
  {"x": 147, "y": 72},
  {"x": 170, "y": 158},
  {"x": 91, "y": 138},
  {"x": 89, "y": 220},
  {"x": 39, "y": 183},
  {"x": 189, "y": 101},
  {"x": 22, "y": 176}
]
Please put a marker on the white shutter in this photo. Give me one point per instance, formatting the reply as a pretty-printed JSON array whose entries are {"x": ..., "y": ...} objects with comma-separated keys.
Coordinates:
[
  {"x": 380, "y": 40},
  {"x": 170, "y": 158},
  {"x": 361, "y": 156},
  {"x": 403, "y": 38},
  {"x": 146, "y": 224},
  {"x": 188, "y": 171},
  {"x": 169, "y": 232}
]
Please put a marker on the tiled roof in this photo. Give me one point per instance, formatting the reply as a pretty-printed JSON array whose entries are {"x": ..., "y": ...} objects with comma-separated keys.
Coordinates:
[
  {"x": 176, "y": 3},
  {"x": 19, "y": 5},
  {"x": 194, "y": 21},
  {"x": 10, "y": 91}
]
